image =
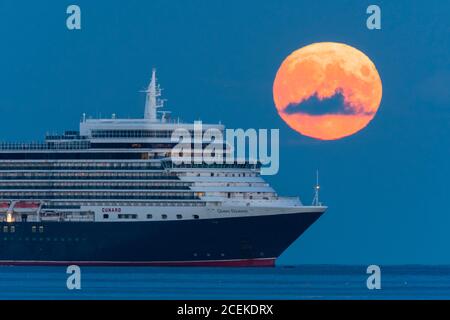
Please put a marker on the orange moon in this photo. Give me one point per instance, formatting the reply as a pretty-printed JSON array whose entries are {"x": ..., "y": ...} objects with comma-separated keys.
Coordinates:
[{"x": 327, "y": 90}]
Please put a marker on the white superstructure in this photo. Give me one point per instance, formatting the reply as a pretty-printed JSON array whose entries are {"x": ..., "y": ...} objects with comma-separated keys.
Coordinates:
[{"x": 120, "y": 170}]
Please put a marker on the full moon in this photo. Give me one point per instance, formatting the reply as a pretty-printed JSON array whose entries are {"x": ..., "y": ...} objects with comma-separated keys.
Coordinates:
[{"x": 327, "y": 90}]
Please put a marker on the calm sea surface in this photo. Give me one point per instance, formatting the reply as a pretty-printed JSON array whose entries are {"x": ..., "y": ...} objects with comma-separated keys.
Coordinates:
[{"x": 302, "y": 282}]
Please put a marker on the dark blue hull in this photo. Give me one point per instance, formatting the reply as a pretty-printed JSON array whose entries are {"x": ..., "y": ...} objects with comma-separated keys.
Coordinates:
[{"x": 225, "y": 241}]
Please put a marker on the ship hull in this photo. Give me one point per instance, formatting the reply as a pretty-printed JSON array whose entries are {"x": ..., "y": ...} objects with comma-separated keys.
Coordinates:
[{"x": 232, "y": 241}]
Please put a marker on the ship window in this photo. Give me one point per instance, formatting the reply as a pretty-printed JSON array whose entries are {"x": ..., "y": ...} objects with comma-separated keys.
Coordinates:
[
  {"x": 179, "y": 216},
  {"x": 5, "y": 229},
  {"x": 164, "y": 216},
  {"x": 33, "y": 229},
  {"x": 127, "y": 216},
  {"x": 195, "y": 216},
  {"x": 106, "y": 216},
  {"x": 212, "y": 174},
  {"x": 13, "y": 229},
  {"x": 149, "y": 216},
  {"x": 41, "y": 229}
]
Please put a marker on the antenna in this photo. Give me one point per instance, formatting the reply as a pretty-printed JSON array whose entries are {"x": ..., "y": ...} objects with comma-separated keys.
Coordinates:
[
  {"x": 316, "y": 201},
  {"x": 164, "y": 115},
  {"x": 152, "y": 102}
]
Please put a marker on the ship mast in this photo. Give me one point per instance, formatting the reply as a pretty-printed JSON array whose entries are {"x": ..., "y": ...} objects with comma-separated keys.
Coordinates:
[
  {"x": 316, "y": 201},
  {"x": 152, "y": 103}
]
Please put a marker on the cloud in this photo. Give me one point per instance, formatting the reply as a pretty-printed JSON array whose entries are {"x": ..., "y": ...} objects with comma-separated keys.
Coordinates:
[{"x": 328, "y": 106}]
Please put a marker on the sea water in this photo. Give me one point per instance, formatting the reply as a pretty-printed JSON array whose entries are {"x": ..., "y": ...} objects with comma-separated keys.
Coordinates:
[{"x": 282, "y": 282}]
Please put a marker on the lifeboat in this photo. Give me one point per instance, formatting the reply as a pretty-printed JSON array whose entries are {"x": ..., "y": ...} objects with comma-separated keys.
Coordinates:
[
  {"x": 26, "y": 206},
  {"x": 4, "y": 206}
]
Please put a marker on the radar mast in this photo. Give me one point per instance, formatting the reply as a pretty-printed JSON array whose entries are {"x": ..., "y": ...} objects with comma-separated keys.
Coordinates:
[{"x": 152, "y": 101}]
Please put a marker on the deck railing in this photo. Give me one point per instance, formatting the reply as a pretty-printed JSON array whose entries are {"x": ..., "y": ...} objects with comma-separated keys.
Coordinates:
[{"x": 73, "y": 145}]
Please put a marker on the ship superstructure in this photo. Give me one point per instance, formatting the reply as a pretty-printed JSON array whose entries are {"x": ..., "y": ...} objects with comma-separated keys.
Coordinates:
[{"x": 110, "y": 194}]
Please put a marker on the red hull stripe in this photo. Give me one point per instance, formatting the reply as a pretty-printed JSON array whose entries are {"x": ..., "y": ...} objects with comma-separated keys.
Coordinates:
[{"x": 267, "y": 262}]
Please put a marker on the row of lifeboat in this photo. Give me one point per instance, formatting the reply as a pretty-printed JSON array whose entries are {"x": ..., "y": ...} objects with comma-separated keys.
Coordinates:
[{"x": 20, "y": 206}]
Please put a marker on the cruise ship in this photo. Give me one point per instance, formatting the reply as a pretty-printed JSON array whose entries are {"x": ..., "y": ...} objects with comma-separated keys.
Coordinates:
[{"x": 111, "y": 194}]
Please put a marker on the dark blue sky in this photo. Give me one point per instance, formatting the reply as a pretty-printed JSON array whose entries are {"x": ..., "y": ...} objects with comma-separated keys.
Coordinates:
[{"x": 386, "y": 187}]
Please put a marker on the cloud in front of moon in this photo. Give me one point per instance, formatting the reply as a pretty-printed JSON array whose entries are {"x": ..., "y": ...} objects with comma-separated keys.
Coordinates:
[{"x": 327, "y": 90}]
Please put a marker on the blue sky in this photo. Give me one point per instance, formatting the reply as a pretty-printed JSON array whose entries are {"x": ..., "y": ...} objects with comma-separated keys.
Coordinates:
[{"x": 386, "y": 186}]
